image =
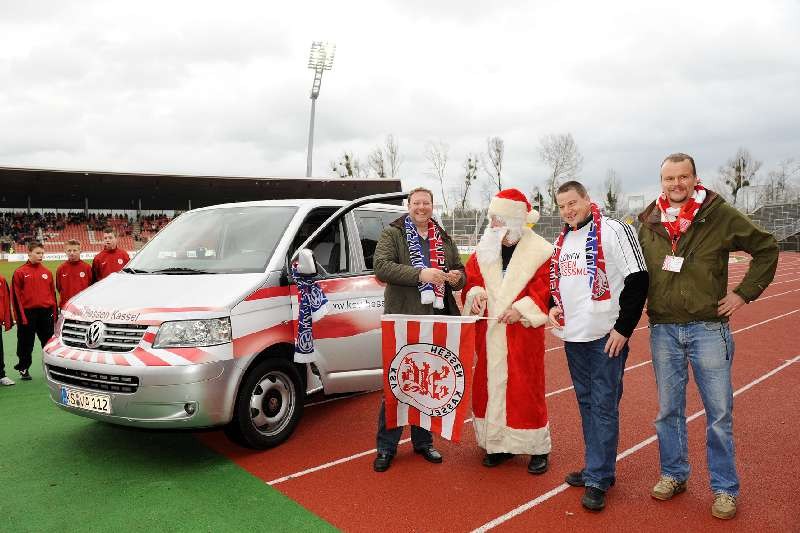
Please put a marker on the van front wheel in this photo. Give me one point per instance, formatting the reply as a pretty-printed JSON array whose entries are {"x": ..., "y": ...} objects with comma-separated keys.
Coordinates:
[{"x": 268, "y": 405}]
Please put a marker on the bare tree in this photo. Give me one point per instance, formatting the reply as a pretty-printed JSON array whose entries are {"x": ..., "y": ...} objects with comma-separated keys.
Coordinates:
[
  {"x": 779, "y": 186},
  {"x": 612, "y": 190},
  {"x": 739, "y": 172},
  {"x": 536, "y": 199},
  {"x": 470, "y": 175},
  {"x": 392, "y": 156},
  {"x": 376, "y": 162},
  {"x": 495, "y": 149},
  {"x": 436, "y": 154},
  {"x": 349, "y": 166},
  {"x": 561, "y": 154}
]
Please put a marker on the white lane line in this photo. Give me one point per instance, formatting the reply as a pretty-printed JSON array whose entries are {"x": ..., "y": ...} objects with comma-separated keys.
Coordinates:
[
  {"x": 547, "y": 395},
  {"x": 334, "y": 463},
  {"x": 735, "y": 281},
  {"x": 774, "y": 295},
  {"x": 630, "y": 451},
  {"x": 327, "y": 465}
]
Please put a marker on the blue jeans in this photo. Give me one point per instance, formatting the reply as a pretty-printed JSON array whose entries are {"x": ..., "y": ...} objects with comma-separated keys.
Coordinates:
[
  {"x": 598, "y": 386},
  {"x": 708, "y": 347},
  {"x": 387, "y": 439}
]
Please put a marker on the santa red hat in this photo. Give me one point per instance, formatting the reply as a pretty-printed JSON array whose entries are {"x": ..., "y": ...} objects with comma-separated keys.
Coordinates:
[{"x": 511, "y": 203}]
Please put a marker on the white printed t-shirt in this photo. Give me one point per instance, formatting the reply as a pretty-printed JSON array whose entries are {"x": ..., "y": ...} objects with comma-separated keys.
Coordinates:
[{"x": 623, "y": 256}]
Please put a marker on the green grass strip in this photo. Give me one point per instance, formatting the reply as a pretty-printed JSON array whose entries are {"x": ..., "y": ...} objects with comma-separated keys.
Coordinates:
[{"x": 61, "y": 472}]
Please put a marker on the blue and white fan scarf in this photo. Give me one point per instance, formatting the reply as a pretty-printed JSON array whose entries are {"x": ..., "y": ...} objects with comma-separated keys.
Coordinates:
[{"x": 313, "y": 305}]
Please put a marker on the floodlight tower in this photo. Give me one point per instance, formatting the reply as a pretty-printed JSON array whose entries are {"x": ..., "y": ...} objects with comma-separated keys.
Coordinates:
[{"x": 320, "y": 59}]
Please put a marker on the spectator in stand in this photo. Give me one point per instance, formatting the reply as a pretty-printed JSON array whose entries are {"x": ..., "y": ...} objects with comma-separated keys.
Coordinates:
[
  {"x": 73, "y": 275},
  {"x": 111, "y": 259},
  {"x": 33, "y": 298},
  {"x": 7, "y": 322}
]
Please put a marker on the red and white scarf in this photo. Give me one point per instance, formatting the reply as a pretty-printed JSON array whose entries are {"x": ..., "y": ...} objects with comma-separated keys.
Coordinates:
[
  {"x": 678, "y": 219},
  {"x": 429, "y": 293},
  {"x": 595, "y": 263}
]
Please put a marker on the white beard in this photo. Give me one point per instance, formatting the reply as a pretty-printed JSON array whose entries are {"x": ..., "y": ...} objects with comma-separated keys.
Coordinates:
[{"x": 488, "y": 249}]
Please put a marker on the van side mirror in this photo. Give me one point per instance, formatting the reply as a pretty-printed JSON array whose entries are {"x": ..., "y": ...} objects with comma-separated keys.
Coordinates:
[{"x": 306, "y": 264}]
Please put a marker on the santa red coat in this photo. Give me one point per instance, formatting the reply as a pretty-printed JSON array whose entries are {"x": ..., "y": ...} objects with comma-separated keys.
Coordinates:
[{"x": 509, "y": 409}]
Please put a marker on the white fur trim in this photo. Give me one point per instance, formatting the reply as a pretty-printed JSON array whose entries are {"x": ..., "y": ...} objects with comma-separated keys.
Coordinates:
[
  {"x": 532, "y": 251},
  {"x": 533, "y": 217},
  {"x": 473, "y": 293},
  {"x": 508, "y": 208},
  {"x": 532, "y": 316},
  {"x": 497, "y": 439}
]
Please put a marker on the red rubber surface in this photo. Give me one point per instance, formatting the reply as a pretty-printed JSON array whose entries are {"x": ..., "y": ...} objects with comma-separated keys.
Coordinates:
[{"x": 462, "y": 495}]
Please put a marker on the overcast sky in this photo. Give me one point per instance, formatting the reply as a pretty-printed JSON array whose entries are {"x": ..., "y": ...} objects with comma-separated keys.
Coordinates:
[{"x": 223, "y": 88}]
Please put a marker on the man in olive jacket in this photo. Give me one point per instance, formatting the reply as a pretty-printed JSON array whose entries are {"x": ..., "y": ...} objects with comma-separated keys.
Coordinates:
[
  {"x": 393, "y": 265},
  {"x": 687, "y": 235}
]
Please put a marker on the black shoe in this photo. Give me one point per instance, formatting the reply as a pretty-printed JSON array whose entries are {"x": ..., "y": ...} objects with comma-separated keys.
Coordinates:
[
  {"x": 594, "y": 499},
  {"x": 24, "y": 375},
  {"x": 382, "y": 462},
  {"x": 575, "y": 479},
  {"x": 430, "y": 454},
  {"x": 494, "y": 459},
  {"x": 538, "y": 464}
]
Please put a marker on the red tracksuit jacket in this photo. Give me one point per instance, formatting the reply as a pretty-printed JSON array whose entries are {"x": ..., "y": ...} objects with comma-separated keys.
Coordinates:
[
  {"x": 107, "y": 262},
  {"x": 5, "y": 305},
  {"x": 32, "y": 287},
  {"x": 72, "y": 278}
]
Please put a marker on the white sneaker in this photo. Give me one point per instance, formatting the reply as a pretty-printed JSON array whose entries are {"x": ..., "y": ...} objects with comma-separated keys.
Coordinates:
[{"x": 7, "y": 381}]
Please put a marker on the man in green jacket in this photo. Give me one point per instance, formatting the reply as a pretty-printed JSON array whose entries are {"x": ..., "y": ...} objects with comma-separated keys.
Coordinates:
[
  {"x": 687, "y": 235},
  {"x": 421, "y": 267}
]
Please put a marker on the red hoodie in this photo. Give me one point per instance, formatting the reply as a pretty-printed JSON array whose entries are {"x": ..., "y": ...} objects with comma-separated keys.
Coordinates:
[
  {"x": 72, "y": 278},
  {"x": 32, "y": 287},
  {"x": 109, "y": 261},
  {"x": 5, "y": 305}
]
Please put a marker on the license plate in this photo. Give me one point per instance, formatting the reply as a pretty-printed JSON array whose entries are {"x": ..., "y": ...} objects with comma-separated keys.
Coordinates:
[{"x": 88, "y": 401}]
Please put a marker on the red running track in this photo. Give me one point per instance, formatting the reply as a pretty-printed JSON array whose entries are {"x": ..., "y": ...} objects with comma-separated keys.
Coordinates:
[{"x": 326, "y": 465}]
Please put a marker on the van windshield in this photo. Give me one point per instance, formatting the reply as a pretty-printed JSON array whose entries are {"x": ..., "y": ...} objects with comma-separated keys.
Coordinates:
[{"x": 215, "y": 241}]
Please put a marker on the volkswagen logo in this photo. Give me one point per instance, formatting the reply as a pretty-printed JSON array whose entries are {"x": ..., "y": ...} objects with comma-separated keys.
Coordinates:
[{"x": 95, "y": 334}]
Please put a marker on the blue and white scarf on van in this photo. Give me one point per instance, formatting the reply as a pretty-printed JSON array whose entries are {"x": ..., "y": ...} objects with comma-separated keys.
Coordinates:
[
  {"x": 429, "y": 293},
  {"x": 312, "y": 305}
]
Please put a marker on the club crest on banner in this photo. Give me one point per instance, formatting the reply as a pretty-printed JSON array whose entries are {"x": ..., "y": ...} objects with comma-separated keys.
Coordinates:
[
  {"x": 428, "y": 377},
  {"x": 427, "y": 371}
]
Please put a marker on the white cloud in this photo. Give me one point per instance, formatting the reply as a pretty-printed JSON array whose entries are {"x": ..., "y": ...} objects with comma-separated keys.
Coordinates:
[{"x": 210, "y": 88}]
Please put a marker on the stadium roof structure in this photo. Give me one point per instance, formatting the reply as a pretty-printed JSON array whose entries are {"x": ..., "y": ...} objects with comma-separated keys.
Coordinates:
[{"x": 21, "y": 188}]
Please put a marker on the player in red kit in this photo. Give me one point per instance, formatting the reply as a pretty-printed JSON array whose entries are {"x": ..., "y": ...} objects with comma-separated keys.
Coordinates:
[
  {"x": 111, "y": 259},
  {"x": 6, "y": 321},
  {"x": 73, "y": 275},
  {"x": 33, "y": 298}
]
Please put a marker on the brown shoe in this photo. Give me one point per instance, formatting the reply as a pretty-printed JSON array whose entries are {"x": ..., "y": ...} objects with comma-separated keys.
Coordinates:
[
  {"x": 724, "y": 506},
  {"x": 667, "y": 487}
]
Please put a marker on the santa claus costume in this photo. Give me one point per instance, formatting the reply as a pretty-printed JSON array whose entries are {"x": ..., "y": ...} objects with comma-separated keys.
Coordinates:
[{"x": 510, "y": 269}]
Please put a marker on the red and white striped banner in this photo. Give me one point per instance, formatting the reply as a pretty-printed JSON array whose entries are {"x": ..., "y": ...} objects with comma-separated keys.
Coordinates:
[{"x": 427, "y": 371}]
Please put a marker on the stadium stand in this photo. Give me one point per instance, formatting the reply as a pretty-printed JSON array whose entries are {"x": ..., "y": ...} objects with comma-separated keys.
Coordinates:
[
  {"x": 782, "y": 220},
  {"x": 54, "y": 230},
  {"x": 55, "y": 206}
]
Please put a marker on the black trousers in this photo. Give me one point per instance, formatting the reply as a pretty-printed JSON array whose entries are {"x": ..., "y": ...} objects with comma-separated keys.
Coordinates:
[{"x": 40, "y": 324}]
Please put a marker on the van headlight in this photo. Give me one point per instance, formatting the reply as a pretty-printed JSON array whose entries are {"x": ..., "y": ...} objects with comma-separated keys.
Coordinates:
[{"x": 191, "y": 333}]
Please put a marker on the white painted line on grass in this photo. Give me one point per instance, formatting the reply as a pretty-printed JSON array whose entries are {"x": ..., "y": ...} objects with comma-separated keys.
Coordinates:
[{"x": 630, "y": 451}]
